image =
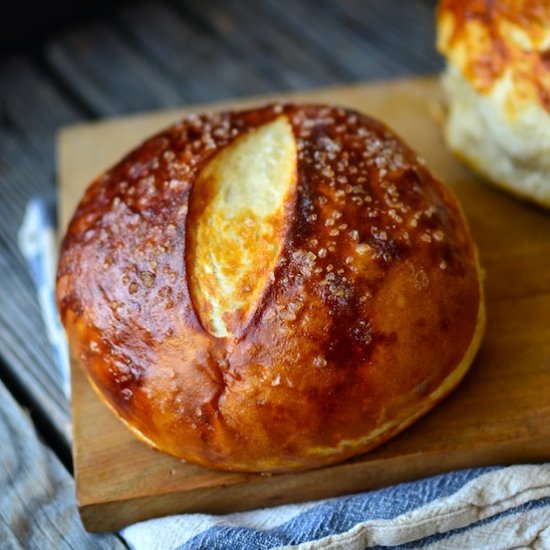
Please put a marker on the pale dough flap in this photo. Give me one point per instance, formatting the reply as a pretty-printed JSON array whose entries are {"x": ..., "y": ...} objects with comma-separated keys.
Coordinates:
[{"x": 244, "y": 194}]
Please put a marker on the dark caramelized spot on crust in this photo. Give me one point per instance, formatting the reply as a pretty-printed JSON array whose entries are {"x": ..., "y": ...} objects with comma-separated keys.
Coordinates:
[{"x": 375, "y": 295}]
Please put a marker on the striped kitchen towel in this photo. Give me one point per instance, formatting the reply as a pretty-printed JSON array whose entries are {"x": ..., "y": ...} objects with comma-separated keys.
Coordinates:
[{"x": 481, "y": 508}]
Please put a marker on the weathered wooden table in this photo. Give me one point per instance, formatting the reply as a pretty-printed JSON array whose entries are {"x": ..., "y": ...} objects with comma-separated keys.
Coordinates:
[{"x": 143, "y": 56}]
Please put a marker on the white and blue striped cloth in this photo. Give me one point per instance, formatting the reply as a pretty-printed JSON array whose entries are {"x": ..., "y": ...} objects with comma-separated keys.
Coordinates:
[{"x": 482, "y": 508}]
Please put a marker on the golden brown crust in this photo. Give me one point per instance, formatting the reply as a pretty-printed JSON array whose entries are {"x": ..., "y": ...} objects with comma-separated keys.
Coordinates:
[
  {"x": 373, "y": 303},
  {"x": 488, "y": 40}
]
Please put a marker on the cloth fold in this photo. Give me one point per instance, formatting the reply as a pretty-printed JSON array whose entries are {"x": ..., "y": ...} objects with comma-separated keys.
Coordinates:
[{"x": 493, "y": 507}]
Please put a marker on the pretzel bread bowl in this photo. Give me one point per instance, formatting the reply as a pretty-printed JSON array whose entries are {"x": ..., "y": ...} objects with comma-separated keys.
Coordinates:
[
  {"x": 497, "y": 83},
  {"x": 270, "y": 290}
]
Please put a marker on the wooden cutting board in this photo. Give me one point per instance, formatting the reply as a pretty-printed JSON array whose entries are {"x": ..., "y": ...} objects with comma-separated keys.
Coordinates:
[{"x": 500, "y": 413}]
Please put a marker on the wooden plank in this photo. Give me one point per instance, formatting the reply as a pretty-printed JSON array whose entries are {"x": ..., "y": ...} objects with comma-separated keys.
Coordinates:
[
  {"x": 37, "y": 503},
  {"x": 136, "y": 61},
  {"x": 499, "y": 414},
  {"x": 31, "y": 110},
  {"x": 107, "y": 72},
  {"x": 334, "y": 43},
  {"x": 258, "y": 40},
  {"x": 409, "y": 37},
  {"x": 198, "y": 65}
]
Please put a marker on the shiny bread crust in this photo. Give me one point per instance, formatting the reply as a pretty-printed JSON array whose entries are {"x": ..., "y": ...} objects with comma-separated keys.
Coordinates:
[{"x": 373, "y": 311}]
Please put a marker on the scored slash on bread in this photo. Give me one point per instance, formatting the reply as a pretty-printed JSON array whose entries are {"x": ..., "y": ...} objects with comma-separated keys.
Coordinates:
[
  {"x": 237, "y": 224},
  {"x": 270, "y": 290}
]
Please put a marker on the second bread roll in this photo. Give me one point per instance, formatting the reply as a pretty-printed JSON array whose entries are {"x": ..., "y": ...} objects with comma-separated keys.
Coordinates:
[{"x": 498, "y": 88}]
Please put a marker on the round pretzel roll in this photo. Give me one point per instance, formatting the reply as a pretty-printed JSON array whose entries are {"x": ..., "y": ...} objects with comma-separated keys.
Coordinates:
[{"x": 270, "y": 290}]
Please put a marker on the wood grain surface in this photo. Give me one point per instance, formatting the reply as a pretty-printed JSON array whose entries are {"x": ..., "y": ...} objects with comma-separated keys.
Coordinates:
[{"x": 499, "y": 414}]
